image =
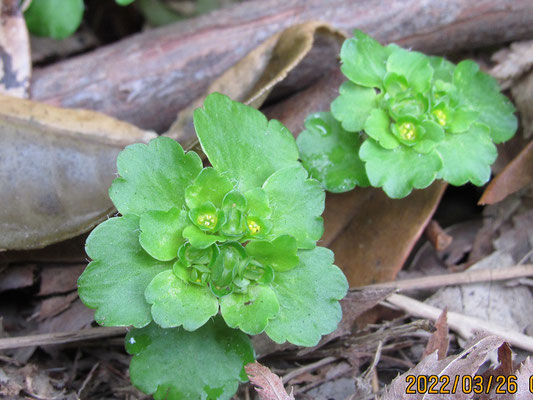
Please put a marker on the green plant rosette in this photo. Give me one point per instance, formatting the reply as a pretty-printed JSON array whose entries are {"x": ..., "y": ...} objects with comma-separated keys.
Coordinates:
[
  {"x": 234, "y": 242},
  {"x": 404, "y": 119}
]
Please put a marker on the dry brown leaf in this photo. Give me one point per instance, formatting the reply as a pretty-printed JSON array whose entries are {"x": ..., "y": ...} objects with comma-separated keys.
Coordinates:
[
  {"x": 505, "y": 357},
  {"x": 56, "y": 168},
  {"x": 521, "y": 92},
  {"x": 253, "y": 78},
  {"x": 516, "y": 175},
  {"x": 18, "y": 277},
  {"x": 465, "y": 363},
  {"x": 15, "y": 60},
  {"x": 61, "y": 279},
  {"x": 512, "y": 62},
  {"x": 439, "y": 340},
  {"x": 523, "y": 380},
  {"x": 382, "y": 232},
  {"x": 53, "y": 306},
  {"x": 267, "y": 384}
]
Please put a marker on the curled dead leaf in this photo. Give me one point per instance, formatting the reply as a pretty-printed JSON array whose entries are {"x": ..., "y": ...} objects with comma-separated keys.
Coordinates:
[
  {"x": 254, "y": 77},
  {"x": 267, "y": 384},
  {"x": 56, "y": 166}
]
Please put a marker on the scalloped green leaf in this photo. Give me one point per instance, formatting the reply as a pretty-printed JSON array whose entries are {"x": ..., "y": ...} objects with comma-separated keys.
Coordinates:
[
  {"x": 354, "y": 105},
  {"x": 297, "y": 203},
  {"x": 482, "y": 93},
  {"x": 174, "y": 364},
  {"x": 153, "y": 176},
  {"x": 176, "y": 303},
  {"x": 199, "y": 238},
  {"x": 114, "y": 282},
  {"x": 281, "y": 253},
  {"x": 161, "y": 232},
  {"x": 241, "y": 143},
  {"x": 209, "y": 186},
  {"x": 364, "y": 60},
  {"x": 400, "y": 170},
  {"x": 331, "y": 154},
  {"x": 467, "y": 156},
  {"x": 309, "y": 299},
  {"x": 414, "y": 66},
  {"x": 250, "y": 311},
  {"x": 377, "y": 126}
]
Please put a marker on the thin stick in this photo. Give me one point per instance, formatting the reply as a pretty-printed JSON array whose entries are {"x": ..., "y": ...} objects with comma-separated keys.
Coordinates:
[
  {"x": 464, "y": 325},
  {"x": 475, "y": 276},
  {"x": 308, "y": 368},
  {"x": 88, "y": 378},
  {"x": 60, "y": 337}
]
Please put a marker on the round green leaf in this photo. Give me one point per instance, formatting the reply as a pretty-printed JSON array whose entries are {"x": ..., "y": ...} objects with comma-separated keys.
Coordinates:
[
  {"x": 250, "y": 312},
  {"x": 331, "y": 154},
  {"x": 153, "y": 176},
  {"x": 297, "y": 203},
  {"x": 377, "y": 126},
  {"x": 414, "y": 66},
  {"x": 124, "y": 2},
  {"x": 57, "y": 19},
  {"x": 241, "y": 143},
  {"x": 363, "y": 60},
  {"x": 114, "y": 283},
  {"x": 309, "y": 299},
  {"x": 400, "y": 170},
  {"x": 176, "y": 303},
  {"x": 481, "y": 93},
  {"x": 354, "y": 105},
  {"x": 467, "y": 156},
  {"x": 174, "y": 364},
  {"x": 161, "y": 232},
  {"x": 209, "y": 186},
  {"x": 280, "y": 254}
]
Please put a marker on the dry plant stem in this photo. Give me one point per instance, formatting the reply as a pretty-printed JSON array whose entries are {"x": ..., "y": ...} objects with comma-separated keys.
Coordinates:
[
  {"x": 464, "y": 325},
  {"x": 308, "y": 368},
  {"x": 459, "y": 278},
  {"x": 60, "y": 337}
]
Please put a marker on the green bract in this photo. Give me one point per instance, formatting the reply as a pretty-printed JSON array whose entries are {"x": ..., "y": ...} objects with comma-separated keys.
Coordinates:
[
  {"x": 238, "y": 238},
  {"x": 420, "y": 118}
]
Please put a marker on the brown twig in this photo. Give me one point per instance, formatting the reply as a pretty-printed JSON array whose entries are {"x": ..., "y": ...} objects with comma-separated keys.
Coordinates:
[
  {"x": 88, "y": 378},
  {"x": 60, "y": 337},
  {"x": 466, "y": 326},
  {"x": 460, "y": 278},
  {"x": 308, "y": 368}
]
